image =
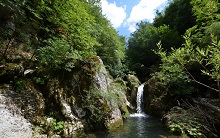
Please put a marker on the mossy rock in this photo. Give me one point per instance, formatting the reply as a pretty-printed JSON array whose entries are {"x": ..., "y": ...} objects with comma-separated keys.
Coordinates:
[
  {"x": 9, "y": 71},
  {"x": 124, "y": 111},
  {"x": 157, "y": 100},
  {"x": 133, "y": 84},
  {"x": 115, "y": 125}
]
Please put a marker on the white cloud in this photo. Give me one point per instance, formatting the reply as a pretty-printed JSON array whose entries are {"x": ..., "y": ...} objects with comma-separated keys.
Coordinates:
[
  {"x": 115, "y": 14},
  {"x": 132, "y": 28},
  {"x": 144, "y": 10}
]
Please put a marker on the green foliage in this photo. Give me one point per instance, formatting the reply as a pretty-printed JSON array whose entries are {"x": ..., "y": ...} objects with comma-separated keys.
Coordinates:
[
  {"x": 118, "y": 69},
  {"x": 142, "y": 43},
  {"x": 181, "y": 128},
  {"x": 207, "y": 15},
  {"x": 112, "y": 51},
  {"x": 172, "y": 72},
  {"x": 96, "y": 102},
  {"x": 176, "y": 128},
  {"x": 39, "y": 80},
  {"x": 19, "y": 85},
  {"x": 199, "y": 54},
  {"x": 60, "y": 32},
  {"x": 177, "y": 15},
  {"x": 58, "y": 55},
  {"x": 175, "y": 68},
  {"x": 55, "y": 126},
  {"x": 206, "y": 11},
  {"x": 210, "y": 31},
  {"x": 209, "y": 57}
]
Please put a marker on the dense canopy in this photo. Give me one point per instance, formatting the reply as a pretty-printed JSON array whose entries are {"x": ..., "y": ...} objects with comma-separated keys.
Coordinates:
[{"x": 60, "y": 32}]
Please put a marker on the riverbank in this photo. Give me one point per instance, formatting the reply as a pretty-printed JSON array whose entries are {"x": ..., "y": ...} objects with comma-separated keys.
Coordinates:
[{"x": 188, "y": 115}]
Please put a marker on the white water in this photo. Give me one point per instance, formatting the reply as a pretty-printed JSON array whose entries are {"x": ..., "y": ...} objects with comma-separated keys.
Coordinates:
[
  {"x": 139, "y": 125},
  {"x": 139, "y": 100}
]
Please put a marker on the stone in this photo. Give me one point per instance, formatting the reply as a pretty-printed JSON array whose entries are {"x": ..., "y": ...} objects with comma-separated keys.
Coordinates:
[
  {"x": 28, "y": 71},
  {"x": 157, "y": 101},
  {"x": 90, "y": 79},
  {"x": 133, "y": 84},
  {"x": 13, "y": 124}
]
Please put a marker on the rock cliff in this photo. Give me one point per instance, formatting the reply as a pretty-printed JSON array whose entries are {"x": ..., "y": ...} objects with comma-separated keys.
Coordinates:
[{"x": 69, "y": 104}]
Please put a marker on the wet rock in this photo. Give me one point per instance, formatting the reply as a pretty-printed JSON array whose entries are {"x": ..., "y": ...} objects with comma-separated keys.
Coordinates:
[
  {"x": 157, "y": 101},
  {"x": 133, "y": 84}
]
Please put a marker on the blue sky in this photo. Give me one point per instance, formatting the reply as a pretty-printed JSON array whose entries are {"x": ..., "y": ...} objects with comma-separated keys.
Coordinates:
[{"x": 124, "y": 14}]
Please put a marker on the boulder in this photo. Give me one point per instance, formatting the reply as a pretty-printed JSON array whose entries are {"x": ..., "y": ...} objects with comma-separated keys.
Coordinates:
[
  {"x": 28, "y": 98},
  {"x": 13, "y": 124},
  {"x": 133, "y": 84},
  {"x": 88, "y": 99},
  {"x": 157, "y": 101}
]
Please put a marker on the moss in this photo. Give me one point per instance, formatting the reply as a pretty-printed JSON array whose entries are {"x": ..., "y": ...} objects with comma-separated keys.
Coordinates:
[
  {"x": 124, "y": 110},
  {"x": 3, "y": 91},
  {"x": 82, "y": 134},
  {"x": 115, "y": 125}
]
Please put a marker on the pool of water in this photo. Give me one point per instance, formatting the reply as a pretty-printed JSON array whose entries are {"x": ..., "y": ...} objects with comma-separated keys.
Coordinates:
[{"x": 137, "y": 127}]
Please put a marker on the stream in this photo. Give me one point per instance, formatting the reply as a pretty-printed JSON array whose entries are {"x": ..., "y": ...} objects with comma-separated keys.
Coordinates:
[{"x": 138, "y": 125}]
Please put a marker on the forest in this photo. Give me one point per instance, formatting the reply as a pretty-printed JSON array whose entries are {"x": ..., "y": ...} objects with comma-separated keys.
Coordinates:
[{"x": 178, "y": 54}]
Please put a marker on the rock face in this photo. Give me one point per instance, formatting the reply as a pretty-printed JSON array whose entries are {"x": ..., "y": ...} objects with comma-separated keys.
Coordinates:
[
  {"x": 12, "y": 123},
  {"x": 88, "y": 98},
  {"x": 68, "y": 105},
  {"x": 156, "y": 99},
  {"x": 133, "y": 84}
]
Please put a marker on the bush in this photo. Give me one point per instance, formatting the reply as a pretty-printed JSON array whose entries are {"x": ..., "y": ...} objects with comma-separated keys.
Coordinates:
[
  {"x": 178, "y": 71},
  {"x": 58, "y": 55}
]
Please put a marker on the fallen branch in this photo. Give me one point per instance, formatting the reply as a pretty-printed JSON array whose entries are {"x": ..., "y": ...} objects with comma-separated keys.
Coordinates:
[
  {"x": 208, "y": 105},
  {"x": 205, "y": 85}
]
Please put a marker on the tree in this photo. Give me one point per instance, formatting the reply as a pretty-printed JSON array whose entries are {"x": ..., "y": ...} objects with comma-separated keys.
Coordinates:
[
  {"x": 143, "y": 42},
  {"x": 178, "y": 15},
  {"x": 190, "y": 67}
]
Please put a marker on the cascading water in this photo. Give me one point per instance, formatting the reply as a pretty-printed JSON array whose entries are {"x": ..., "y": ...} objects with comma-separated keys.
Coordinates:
[
  {"x": 139, "y": 125},
  {"x": 139, "y": 102},
  {"x": 139, "y": 98}
]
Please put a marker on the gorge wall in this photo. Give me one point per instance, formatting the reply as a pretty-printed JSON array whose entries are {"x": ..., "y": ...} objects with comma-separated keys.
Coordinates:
[{"x": 70, "y": 104}]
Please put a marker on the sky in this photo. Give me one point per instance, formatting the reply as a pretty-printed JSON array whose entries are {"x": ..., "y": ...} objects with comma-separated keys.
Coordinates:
[{"x": 125, "y": 14}]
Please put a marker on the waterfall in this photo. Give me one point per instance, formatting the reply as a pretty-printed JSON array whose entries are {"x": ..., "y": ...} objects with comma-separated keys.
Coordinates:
[{"x": 139, "y": 100}]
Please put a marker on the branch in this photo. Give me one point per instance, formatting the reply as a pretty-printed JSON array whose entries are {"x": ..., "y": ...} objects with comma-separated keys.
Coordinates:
[
  {"x": 205, "y": 85},
  {"x": 7, "y": 47},
  {"x": 208, "y": 105},
  {"x": 196, "y": 80}
]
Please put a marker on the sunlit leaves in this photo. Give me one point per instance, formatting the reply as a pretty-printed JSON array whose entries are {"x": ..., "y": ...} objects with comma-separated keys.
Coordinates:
[
  {"x": 211, "y": 60},
  {"x": 206, "y": 11},
  {"x": 58, "y": 55}
]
